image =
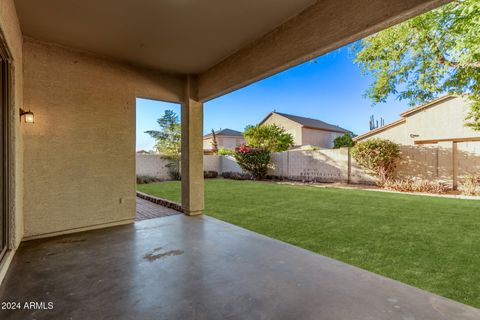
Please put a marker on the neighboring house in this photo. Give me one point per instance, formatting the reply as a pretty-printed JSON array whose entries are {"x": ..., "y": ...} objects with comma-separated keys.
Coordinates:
[
  {"x": 435, "y": 143},
  {"x": 306, "y": 131},
  {"x": 226, "y": 138},
  {"x": 143, "y": 152},
  {"x": 439, "y": 121}
]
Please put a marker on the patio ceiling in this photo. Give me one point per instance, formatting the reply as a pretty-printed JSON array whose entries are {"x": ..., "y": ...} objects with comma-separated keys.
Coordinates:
[
  {"x": 229, "y": 44},
  {"x": 179, "y": 36}
]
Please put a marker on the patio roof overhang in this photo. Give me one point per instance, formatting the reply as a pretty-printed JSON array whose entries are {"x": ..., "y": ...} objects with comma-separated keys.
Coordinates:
[
  {"x": 90, "y": 54},
  {"x": 228, "y": 44},
  {"x": 182, "y": 51}
]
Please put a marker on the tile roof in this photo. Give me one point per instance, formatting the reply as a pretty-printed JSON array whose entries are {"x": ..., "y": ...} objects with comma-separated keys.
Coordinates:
[
  {"x": 310, "y": 123},
  {"x": 225, "y": 132}
]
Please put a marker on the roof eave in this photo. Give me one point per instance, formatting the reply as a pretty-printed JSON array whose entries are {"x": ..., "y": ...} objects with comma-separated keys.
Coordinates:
[{"x": 381, "y": 129}]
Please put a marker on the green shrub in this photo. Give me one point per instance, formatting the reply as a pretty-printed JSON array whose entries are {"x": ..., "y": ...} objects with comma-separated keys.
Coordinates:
[
  {"x": 210, "y": 174},
  {"x": 379, "y": 156},
  {"x": 225, "y": 152},
  {"x": 173, "y": 168},
  {"x": 146, "y": 179},
  {"x": 237, "y": 175},
  {"x": 253, "y": 160},
  {"x": 344, "y": 141}
]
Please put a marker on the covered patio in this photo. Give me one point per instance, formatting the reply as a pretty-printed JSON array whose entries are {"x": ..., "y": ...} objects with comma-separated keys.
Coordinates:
[
  {"x": 182, "y": 267},
  {"x": 78, "y": 67}
]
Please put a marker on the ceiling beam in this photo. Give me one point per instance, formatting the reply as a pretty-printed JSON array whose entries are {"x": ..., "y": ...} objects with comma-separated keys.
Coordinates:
[{"x": 323, "y": 27}]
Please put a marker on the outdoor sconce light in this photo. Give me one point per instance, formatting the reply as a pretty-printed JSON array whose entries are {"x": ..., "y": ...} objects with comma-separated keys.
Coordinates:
[{"x": 29, "y": 116}]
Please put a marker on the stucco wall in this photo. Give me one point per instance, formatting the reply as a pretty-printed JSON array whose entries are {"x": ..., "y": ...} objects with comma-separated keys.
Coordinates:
[
  {"x": 398, "y": 134},
  {"x": 207, "y": 144},
  {"x": 443, "y": 120},
  {"x": 10, "y": 35},
  {"x": 80, "y": 153},
  {"x": 290, "y": 126},
  {"x": 230, "y": 143},
  {"x": 224, "y": 142},
  {"x": 319, "y": 138}
]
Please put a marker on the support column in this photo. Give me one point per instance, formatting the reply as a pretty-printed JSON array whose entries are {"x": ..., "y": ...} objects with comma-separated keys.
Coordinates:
[
  {"x": 454, "y": 166},
  {"x": 192, "y": 150}
]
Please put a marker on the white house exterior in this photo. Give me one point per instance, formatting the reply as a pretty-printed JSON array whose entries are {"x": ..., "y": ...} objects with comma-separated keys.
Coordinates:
[{"x": 306, "y": 131}]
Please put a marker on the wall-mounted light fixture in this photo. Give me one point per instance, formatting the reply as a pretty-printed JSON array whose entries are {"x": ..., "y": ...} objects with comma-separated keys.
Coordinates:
[{"x": 28, "y": 116}]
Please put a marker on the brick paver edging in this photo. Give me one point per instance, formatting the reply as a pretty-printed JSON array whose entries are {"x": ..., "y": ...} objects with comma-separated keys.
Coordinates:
[{"x": 160, "y": 201}]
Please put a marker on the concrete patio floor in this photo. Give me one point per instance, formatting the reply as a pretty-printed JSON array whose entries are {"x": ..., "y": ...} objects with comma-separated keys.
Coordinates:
[{"x": 180, "y": 267}]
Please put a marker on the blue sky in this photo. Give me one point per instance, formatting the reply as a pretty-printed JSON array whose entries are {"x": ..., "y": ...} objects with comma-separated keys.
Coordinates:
[{"x": 331, "y": 89}]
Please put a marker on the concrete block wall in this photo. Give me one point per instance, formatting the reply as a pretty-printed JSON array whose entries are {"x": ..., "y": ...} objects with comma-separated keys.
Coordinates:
[
  {"x": 432, "y": 163},
  {"x": 321, "y": 165},
  {"x": 212, "y": 163},
  {"x": 153, "y": 165},
  {"x": 326, "y": 165},
  {"x": 228, "y": 164}
]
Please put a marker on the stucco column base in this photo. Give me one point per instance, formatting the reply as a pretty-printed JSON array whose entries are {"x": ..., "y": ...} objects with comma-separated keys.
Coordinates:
[
  {"x": 192, "y": 150},
  {"x": 192, "y": 213}
]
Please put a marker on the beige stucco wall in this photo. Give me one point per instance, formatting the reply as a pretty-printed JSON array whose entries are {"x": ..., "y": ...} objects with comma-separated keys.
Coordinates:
[
  {"x": 80, "y": 153},
  {"x": 229, "y": 143},
  {"x": 290, "y": 126},
  {"x": 207, "y": 144},
  {"x": 398, "y": 134},
  {"x": 443, "y": 120},
  {"x": 224, "y": 142},
  {"x": 11, "y": 35},
  {"x": 319, "y": 138}
]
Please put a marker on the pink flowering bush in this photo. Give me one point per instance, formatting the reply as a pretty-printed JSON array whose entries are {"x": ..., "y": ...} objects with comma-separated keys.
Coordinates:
[{"x": 253, "y": 160}]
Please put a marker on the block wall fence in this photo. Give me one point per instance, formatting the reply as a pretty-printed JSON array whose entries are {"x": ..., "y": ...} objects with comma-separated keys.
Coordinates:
[{"x": 434, "y": 163}]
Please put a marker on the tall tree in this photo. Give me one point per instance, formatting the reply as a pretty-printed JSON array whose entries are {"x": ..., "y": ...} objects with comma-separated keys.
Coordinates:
[
  {"x": 427, "y": 56},
  {"x": 214, "y": 142},
  {"x": 168, "y": 140}
]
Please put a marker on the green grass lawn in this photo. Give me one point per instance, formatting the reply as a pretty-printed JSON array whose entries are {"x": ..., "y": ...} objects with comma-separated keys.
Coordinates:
[{"x": 431, "y": 243}]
